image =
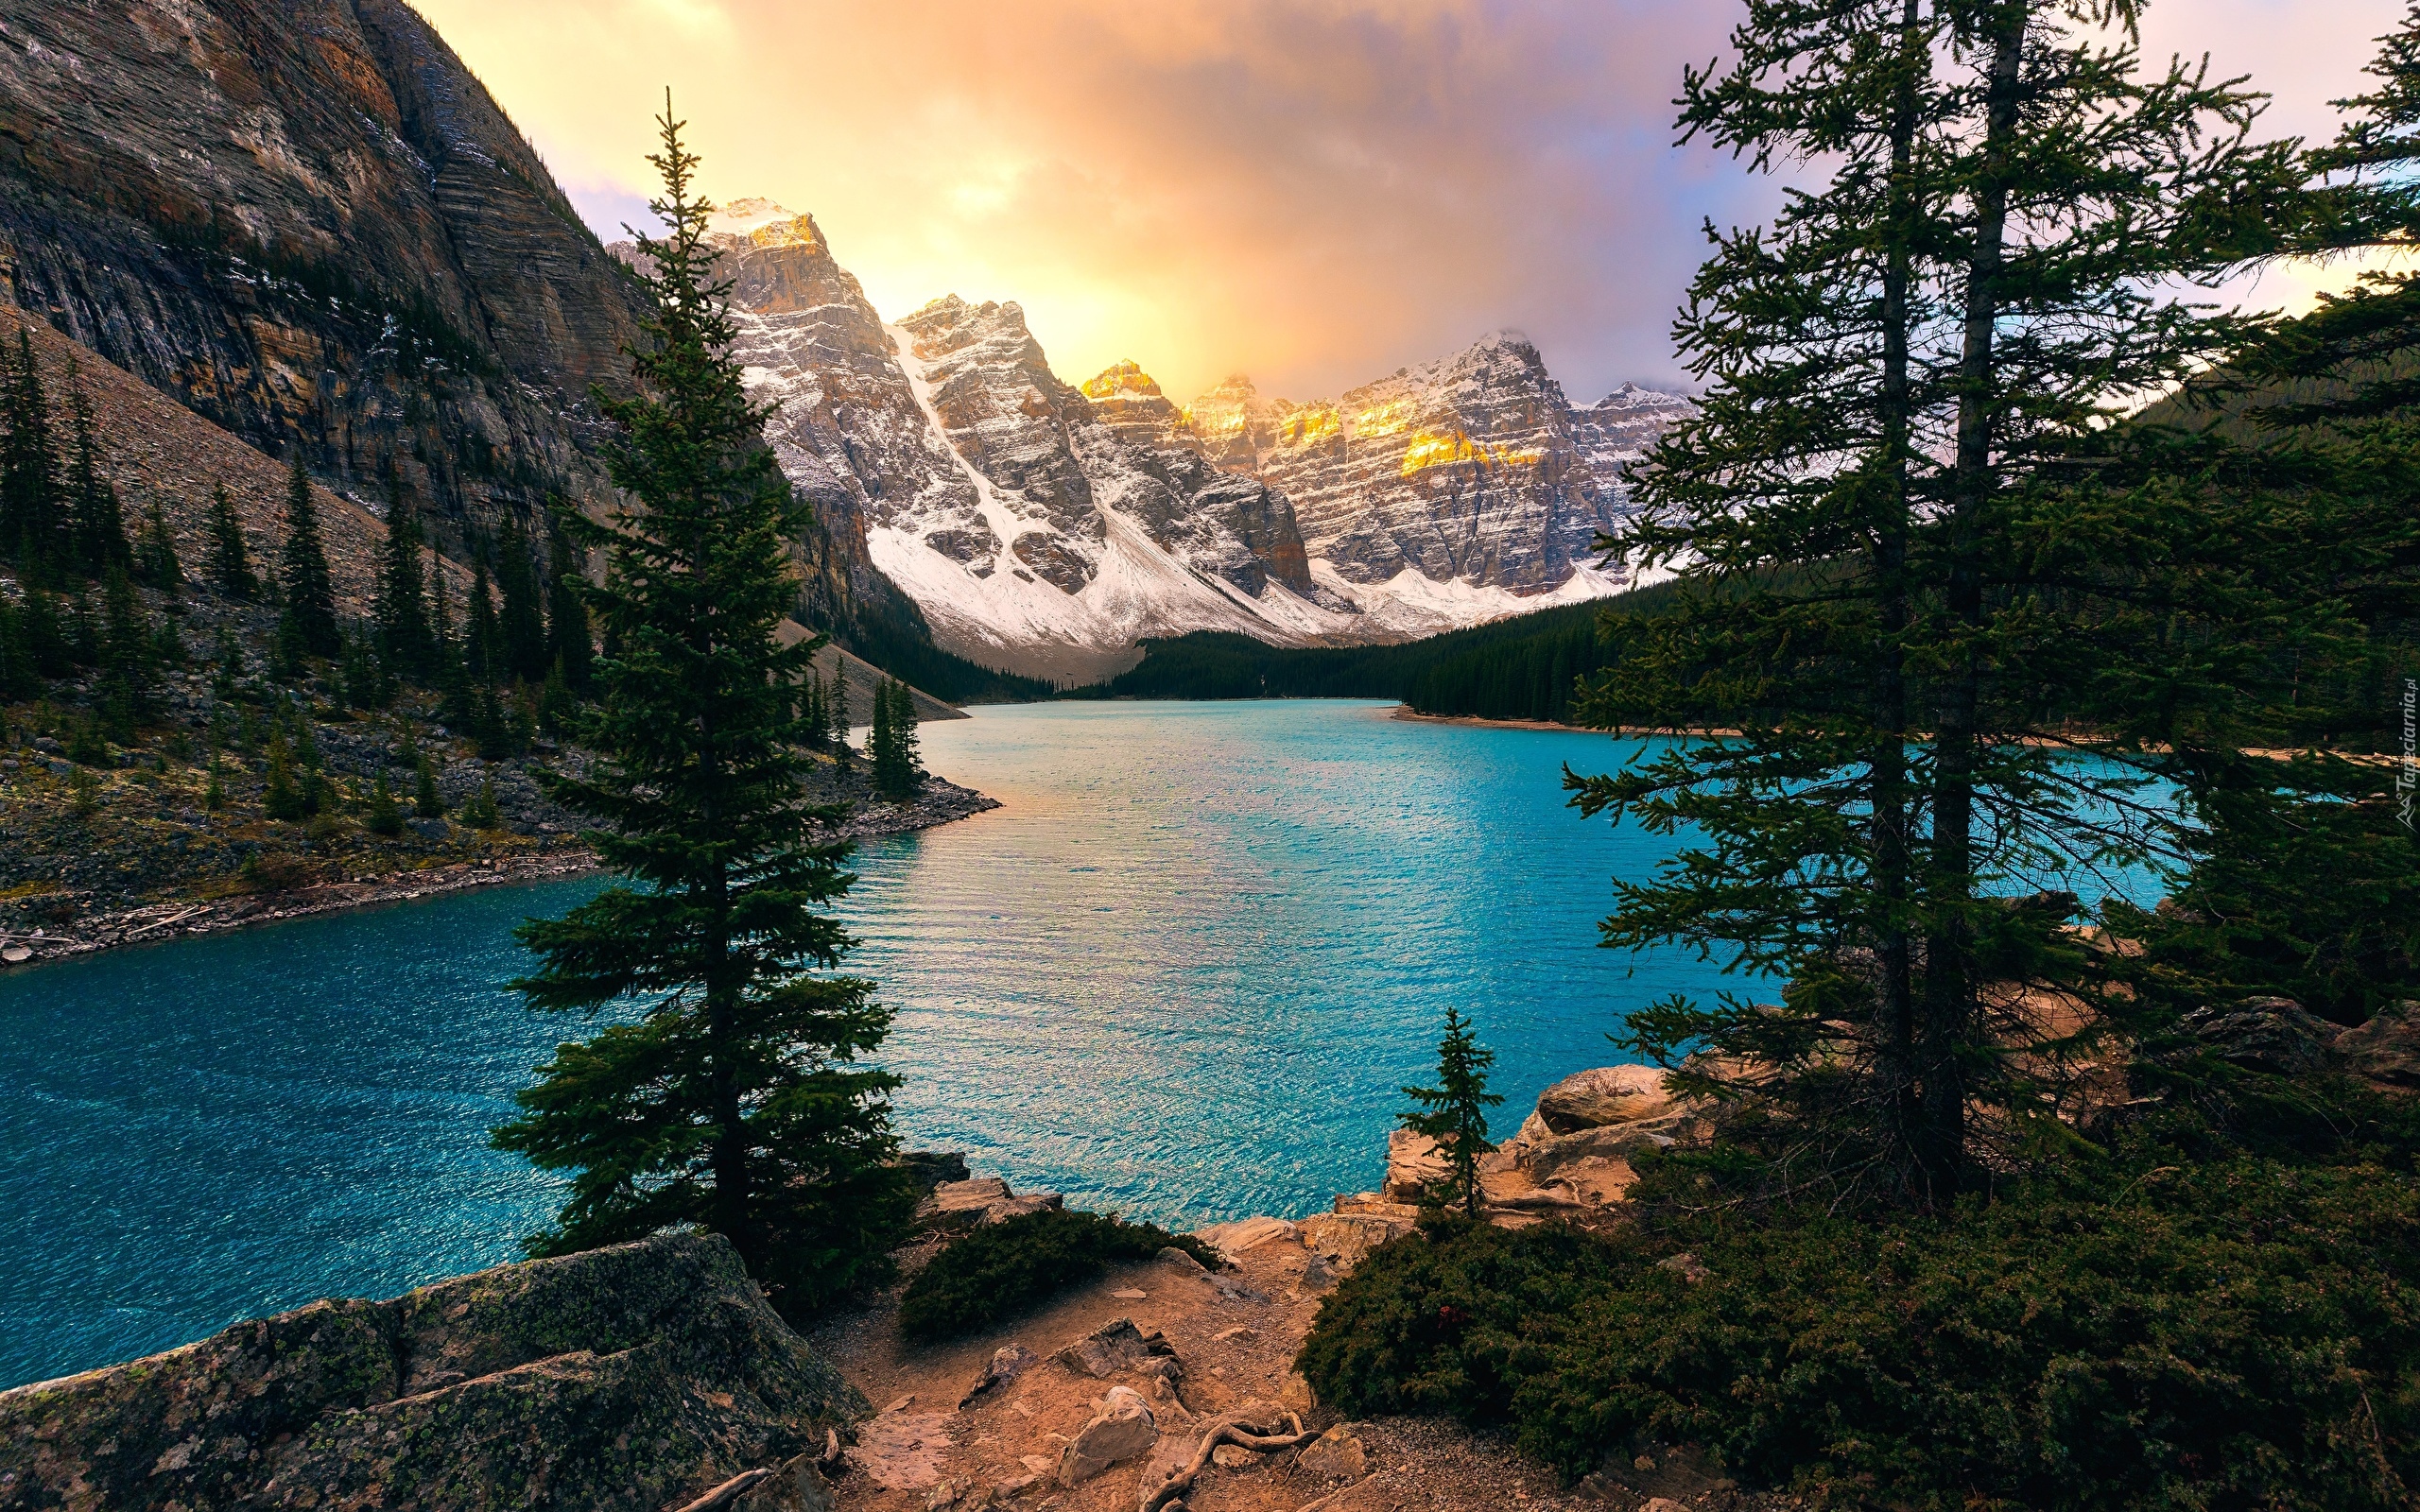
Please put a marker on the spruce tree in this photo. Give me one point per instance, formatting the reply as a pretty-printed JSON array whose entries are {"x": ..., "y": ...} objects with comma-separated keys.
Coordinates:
[
  {"x": 739, "y": 1100},
  {"x": 1906, "y": 577},
  {"x": 33, "y": 517},
  {"x": 457, "y": 701},
  {"x": 837, "y": 702},
  {"x": 386, "y": 816},
  {"x": 97, "y": 519},
  {"x": 482, "y": 812},
  {"x": 482, "y": 652},
  {"x": 521, "y": 625},
  {"x": 156, "y": 563},
  {"x": 880, "y": 748},
  {"x": 567, "y": 631},
  {"x": 891, "y": 747},
  {"x": 128, "y": 644},
  {"x": 230, "y": 568},
  {"x": 427, "y": 802},
  {"x": 283, "y": 798},
  {"x": 1454, "y": 1112},
  {"x": 813, "y": 721},
  {"x": 307, "y": 624},
  {"x": 404, "y": 641}
]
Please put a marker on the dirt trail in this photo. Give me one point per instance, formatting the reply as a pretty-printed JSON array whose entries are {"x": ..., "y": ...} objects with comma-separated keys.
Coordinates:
[{"x": 1234, "y": 1337}]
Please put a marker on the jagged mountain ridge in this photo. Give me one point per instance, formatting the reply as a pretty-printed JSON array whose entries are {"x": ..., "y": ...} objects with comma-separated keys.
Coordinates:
[
  {"x": 1031, "y": 535},
  {"x": 1047, "y": 530}
]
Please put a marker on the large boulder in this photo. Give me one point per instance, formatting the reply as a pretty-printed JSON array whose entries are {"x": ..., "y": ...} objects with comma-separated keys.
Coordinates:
[
  {"x": 1123, "y": 1429},
  {"x": 955, "y": 1207},
  {"x": 634, "y": 1378},
  {"x": 1603, "y": 1095},
  {"x": 2265, "y": 1034},
  {"x": 2385, "y": 1052}
]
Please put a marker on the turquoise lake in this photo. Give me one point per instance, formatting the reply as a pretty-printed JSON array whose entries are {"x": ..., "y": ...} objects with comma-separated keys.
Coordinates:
[{"x": 1182, "y": 974}]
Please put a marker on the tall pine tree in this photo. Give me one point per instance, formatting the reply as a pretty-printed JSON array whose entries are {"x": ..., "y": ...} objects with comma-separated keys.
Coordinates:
[
  {"x": 155, "y": 560},
  {"x": 521, "y": 625},
  {"x": 1906, "y": 582},
  {"x": 230, "y": 567},
  {"x": 33, "y": 516},
  {"x": 404, "y": 640},
  {"x": 568, "y": 638},
  {"x": 97, "y": 519},
  {"x": 482, "y": 654},
  {"x": 307, "y": 624},
  {"x": 737, "y": 1100}
]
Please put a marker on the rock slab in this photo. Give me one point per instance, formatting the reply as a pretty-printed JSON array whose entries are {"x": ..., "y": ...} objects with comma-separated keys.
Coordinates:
[{"x": 631, "y": 1378}]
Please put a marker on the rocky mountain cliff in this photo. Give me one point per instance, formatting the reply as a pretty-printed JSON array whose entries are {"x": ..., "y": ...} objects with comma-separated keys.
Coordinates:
[
  {"x": 1032, "y": 532},
  {"x": 1462, "y": 488},
  {"x": 1046, "y": 528},
  {"x": 306, "y": 220}
]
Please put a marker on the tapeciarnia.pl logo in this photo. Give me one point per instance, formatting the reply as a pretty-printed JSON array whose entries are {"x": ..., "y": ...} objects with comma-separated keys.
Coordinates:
[{"x": 2407, "y": 776}]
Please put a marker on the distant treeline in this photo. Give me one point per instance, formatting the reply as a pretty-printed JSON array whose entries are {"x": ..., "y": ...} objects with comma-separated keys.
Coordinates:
[{"x": 1518, "y": 668}]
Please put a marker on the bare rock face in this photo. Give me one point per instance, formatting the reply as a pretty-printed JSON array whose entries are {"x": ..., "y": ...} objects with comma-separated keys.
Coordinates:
[
  {"x": 1027, "y": 526},
  {"x": 632, "y": 1377},
  {"x": 958, "y": 1206},
  {"x": 1046, "y": 528},
  {"x": 1115, "y": 1346},
  {"x": 1472, "y": 469},
  {"x": 311, "y": 224}
]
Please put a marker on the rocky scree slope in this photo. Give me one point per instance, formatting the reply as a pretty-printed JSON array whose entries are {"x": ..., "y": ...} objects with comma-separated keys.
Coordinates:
[{"x": 149, "y": 860}]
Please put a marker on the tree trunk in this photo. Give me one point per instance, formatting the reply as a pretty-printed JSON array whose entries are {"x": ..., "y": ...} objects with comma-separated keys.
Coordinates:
[
  {"x": 1895, "y": 991},
  {"x": 732, "y": 1200},
  {"x": 1948, "y": 1028}
]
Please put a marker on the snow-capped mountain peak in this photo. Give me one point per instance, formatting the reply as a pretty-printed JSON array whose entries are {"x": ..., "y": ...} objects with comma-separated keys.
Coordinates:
[{"x": 1046, "y": 528}]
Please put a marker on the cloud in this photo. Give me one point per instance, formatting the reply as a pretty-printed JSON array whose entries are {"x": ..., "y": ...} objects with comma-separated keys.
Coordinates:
[{"x": 1315, "y": 191}]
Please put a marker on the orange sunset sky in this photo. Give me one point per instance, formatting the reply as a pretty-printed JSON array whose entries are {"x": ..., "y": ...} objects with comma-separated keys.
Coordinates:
[{"x": 1315, "y": 191}]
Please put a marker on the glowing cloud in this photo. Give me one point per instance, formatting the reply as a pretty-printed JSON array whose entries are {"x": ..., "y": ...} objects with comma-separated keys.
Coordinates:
[{"x": 1314, "y": 192}]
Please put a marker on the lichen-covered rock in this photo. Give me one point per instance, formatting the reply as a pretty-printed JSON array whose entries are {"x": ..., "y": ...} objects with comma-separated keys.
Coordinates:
[{"x": 631, "y": 1377}]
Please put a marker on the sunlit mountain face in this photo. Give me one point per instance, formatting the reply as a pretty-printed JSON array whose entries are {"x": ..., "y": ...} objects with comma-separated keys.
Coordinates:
[{"x": 1049, "y": 527}]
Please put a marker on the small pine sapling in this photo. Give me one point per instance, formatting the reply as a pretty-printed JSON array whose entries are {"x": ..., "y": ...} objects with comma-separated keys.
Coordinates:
[
  {"x": 427, "y": 802},
  {"x": 385, "y": 814},
  {"x": 1454, "y": 1112}
]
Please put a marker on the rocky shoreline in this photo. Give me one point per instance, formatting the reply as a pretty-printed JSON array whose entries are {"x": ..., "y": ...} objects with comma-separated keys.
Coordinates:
[
  {"x": 193, "y": 911},
  {"x": 651, "y": 1377}
]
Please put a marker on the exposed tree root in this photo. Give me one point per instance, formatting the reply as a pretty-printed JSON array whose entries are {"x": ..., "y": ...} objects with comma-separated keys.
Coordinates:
[
  {"x": 728, "y": 1492},
  {"x": 1168, "y": 1495}
]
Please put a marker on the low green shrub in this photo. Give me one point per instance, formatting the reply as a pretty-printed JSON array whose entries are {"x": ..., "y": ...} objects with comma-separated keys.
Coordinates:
[
  {"x": 998, "y": 1271},
  {"x": 2241, "y": 1335}
]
